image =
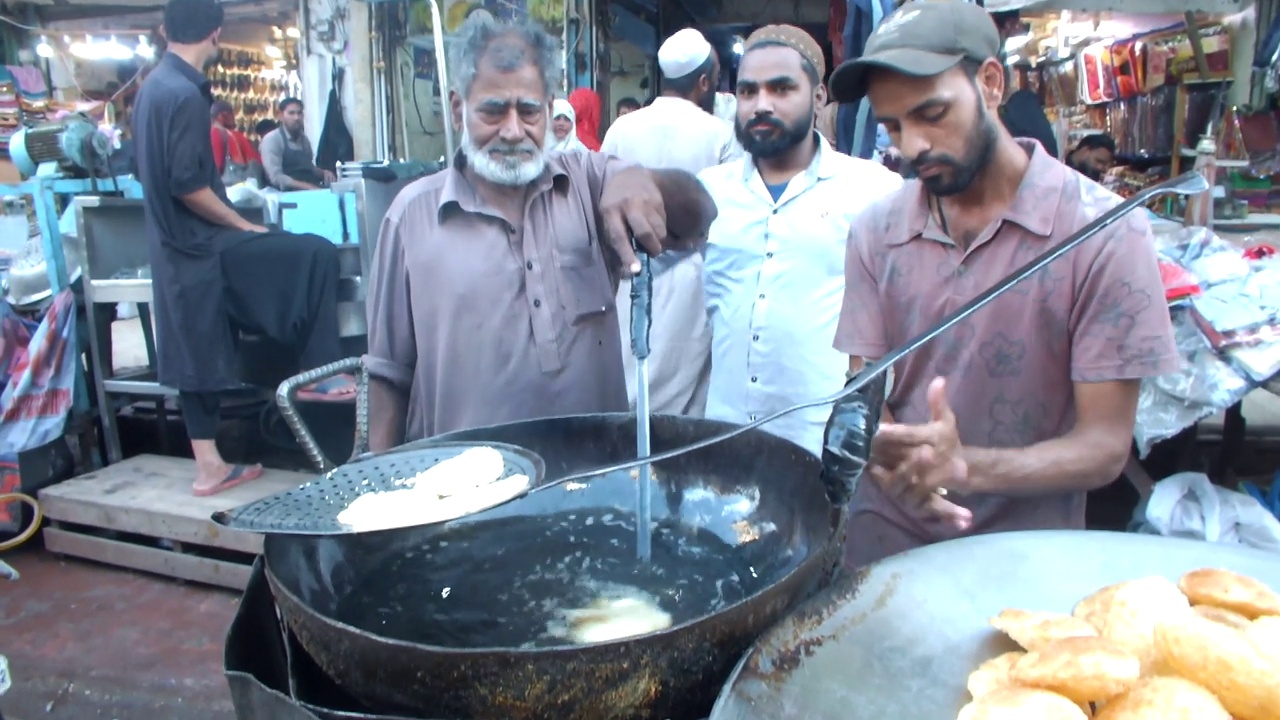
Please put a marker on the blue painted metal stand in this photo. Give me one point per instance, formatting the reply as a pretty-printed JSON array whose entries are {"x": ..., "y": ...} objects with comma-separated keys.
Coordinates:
[{"x": 45, "y": 192}]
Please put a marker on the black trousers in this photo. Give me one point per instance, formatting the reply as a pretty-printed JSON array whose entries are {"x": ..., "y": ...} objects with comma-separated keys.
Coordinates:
[{"x": 284, "y": 286}]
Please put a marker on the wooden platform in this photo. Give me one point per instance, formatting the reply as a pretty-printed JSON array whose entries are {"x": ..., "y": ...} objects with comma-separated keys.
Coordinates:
[{"x": 140, "y": 514}]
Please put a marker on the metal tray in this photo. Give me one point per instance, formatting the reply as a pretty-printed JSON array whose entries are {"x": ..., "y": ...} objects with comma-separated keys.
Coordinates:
[
  {"x": 899, "y": 639},
  {"x": 312, "y": 508}
]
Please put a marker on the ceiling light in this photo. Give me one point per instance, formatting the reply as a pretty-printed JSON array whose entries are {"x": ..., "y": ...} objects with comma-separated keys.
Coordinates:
[
  {"x": 292, "y": 32},
  {"x": 44, "y": 49},
  {"x": 273, "y": 51}
]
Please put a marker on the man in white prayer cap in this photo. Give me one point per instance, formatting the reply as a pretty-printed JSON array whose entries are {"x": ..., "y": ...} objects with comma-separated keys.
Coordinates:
[{"x": 677, "y": 131}]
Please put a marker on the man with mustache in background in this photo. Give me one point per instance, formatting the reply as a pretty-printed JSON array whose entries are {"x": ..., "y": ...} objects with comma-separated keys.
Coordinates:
[
  {"x": 491, "y": 295},
  {"x": 774, "y": 269},
  {"x": 1008, "y": 419}
]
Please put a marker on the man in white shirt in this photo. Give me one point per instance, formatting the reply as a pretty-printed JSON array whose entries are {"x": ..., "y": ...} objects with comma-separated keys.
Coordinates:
[
  {"x": 774, "y": 269},
  {"x": 677, "y": 131}
]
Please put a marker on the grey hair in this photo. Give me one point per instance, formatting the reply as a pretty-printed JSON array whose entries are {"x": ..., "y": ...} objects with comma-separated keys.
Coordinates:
[{"x": 509, "y": 46}]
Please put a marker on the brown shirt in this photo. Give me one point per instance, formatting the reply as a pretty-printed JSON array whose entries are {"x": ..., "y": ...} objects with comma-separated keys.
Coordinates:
[
  {"x": 1095, "y": 315},
  {"x": 485, "y": 323}
]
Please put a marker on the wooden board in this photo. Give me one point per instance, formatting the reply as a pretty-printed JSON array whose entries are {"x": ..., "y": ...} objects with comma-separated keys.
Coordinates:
[
  {"x": 151, "y": 495},
  {"x": 223, "y": 573}
]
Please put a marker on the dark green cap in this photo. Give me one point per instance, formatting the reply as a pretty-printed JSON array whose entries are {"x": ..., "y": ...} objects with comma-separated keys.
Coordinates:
[{"x": 922, "y": 38}]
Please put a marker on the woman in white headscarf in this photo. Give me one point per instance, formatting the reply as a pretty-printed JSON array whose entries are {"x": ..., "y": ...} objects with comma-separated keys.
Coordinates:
[{"x": 564, "y": 133}]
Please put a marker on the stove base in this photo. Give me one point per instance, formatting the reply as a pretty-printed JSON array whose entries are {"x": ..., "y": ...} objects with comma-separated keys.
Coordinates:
[{"x": 271, "y": 676}]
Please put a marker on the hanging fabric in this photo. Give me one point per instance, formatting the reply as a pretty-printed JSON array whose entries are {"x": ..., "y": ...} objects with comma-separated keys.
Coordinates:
[{"x": 336, "y": 143}]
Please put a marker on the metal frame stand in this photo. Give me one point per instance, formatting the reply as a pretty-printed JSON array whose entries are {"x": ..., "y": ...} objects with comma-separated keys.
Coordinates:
[{"x": 45, "y": 192}]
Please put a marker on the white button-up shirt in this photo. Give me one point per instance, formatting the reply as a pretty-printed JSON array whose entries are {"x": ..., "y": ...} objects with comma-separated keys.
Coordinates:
[
  {"x": 774, "y": 278},
  {"x": 676, "y": 134}
]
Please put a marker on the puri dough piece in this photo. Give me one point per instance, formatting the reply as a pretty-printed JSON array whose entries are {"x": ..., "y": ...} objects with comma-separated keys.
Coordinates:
[
  {"x": 1225, "y": 662},
  {"x": 1165, "y": 698},
  {"x": 1130, "y": 618},
  {"x": 1265, "y": 633},
  {"x": 1233, "y": 591},
  {"x": 1016, "y": 703},
  {"x": 1037, "y": 630},
  {"x": 992, "y": 674},
  {"x": 1222, "y": 616},
  {"x": 1084, "y": 669}
]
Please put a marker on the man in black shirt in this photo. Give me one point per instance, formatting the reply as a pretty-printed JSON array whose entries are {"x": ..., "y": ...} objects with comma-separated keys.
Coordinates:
[{"x": 211, "y": 269}]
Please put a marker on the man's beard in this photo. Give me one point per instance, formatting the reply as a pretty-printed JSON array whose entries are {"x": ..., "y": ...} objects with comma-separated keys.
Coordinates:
[
  {"x": 787, "y": 137},
  {"x": 1088, "y": 171},
  {"x": 506, "y": 169},
  {"x": 981, "y": 147}
]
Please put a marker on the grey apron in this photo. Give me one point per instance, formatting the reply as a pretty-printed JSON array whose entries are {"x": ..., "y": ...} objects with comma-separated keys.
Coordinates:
[{"x": 297, "y": 164}]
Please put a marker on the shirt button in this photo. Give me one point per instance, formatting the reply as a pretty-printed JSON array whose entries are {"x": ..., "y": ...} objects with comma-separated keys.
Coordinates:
[
  {"x": 775, "y": 211},
  {"x": 537, "y": 303},
  {"x": 528, "y": 265},
  {"x": 761, "y": 296},
  {"x": 755, "y": 337},
  {"x": 751, "y": 418},
  {"x": 753, "y": 378},
  {"x": 768, "y": 254}
]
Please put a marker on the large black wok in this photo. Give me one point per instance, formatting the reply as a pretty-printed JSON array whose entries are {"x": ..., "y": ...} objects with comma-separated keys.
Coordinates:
[{"x": 758, "y": 493}]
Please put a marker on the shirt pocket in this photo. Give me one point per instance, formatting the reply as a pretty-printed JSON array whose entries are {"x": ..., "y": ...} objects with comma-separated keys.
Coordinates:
[{"x": 585, "y": 289}]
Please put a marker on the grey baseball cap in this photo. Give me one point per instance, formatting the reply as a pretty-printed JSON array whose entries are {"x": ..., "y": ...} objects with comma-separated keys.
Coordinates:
[{"x": 922, "y": 38}]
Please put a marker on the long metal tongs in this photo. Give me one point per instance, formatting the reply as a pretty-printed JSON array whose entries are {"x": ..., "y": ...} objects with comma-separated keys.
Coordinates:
[
  {"x": 641, "y": 322},
  {"x": 1186, "y": 184}
]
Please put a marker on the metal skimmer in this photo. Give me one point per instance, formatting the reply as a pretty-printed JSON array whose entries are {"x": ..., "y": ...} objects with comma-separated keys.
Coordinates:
[{"x": 312, "y": 508}]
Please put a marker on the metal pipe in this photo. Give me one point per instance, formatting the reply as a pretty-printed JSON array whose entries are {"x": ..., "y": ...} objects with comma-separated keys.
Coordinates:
[
  {"x": 442, "y": 75},
  {"x": 1185, "y": 184}
]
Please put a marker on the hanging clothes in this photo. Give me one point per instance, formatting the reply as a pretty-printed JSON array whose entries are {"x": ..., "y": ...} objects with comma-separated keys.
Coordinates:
[
  {"x": 586, "y": 104},
  {"x": 336, "y": 143},
  {"x": 562, "y": 108}
]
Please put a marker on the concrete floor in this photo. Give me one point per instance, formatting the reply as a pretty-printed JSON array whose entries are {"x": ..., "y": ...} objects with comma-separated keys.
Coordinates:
[{"x": 85, "y": 641}]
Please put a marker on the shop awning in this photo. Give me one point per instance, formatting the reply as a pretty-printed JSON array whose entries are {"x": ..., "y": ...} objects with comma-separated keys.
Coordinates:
[
  {"x": 93, "y": 16},
  {"x": 1131, "y": 7}
]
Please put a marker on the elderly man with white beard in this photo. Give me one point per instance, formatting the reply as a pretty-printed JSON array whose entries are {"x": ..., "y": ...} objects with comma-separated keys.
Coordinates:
[{"x": 491, "y": 295}]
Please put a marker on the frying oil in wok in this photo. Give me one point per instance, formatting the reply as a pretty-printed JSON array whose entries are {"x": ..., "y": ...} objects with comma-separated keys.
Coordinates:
[{"x": 513, "y": 582}]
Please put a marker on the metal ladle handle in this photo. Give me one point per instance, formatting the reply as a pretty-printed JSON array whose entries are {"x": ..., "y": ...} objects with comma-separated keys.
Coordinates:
[
  {"x": 641, "y": 304},
  {"x": 1186, "y": 184}
]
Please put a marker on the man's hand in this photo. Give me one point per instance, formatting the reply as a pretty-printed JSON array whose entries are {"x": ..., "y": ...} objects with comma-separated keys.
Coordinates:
[
  {"x": 920, "y": 464},
  {"x": 256, "y": 229},
  {"x": 329, "y": 177},
  {"x": 631, "y": 206}
]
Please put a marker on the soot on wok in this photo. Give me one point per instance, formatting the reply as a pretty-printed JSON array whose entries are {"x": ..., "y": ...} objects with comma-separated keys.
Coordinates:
[{"x": 506, "y": 582}]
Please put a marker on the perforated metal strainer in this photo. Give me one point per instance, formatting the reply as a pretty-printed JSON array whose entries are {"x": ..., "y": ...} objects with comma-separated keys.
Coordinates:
[{"x": 312, "y": 508}]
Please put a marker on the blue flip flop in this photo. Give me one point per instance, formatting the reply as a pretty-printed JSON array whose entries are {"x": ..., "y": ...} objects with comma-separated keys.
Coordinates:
[{"x": 327, "y": 390}]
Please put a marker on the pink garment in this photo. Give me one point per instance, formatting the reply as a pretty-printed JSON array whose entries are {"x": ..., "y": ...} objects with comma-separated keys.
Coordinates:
[
  {"x": 30, "y": 80},
  {"x": 586, "y": 105}
]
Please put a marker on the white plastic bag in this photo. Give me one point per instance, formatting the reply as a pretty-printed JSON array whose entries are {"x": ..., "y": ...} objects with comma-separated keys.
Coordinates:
[{"x": 1189, "y": 505}]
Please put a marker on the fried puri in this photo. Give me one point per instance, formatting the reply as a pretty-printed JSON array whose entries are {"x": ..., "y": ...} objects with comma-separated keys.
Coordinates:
[
  {"x": 1265, "y": 633},
  {"x": 1232, "y": 591},
  {"x": 1015, "y": 703},
  {"x": 1165, "y": 698},
  {"x": 1225, "y": 662},
  {"x": 1129, "y": 615},
  {"x": 1083, "y": 669},
  {"x": 992, "y": 674},
  {"x": 1222, "y": 616},
  {"x": 1037, "y": 630}
]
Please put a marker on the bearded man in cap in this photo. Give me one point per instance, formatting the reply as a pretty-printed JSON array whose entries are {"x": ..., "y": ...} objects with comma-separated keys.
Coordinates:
[
  {"x": 678, "y": 131},
  {"x": 1008, "y": 419},
  {"x": 774, "y": 270}
]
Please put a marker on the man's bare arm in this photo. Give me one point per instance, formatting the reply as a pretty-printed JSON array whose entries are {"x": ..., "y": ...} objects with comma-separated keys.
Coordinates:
[
  {"x": 206, "y": 204},
  {"x": 1090, "y": 456},
  {"x": 388, "y": 412},
  {"x": 689, "y": 207}
]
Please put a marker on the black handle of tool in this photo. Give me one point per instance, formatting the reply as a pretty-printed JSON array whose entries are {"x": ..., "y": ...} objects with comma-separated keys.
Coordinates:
[
  {"x": 641, "y": 304},
  {"x": 1185, "y": 184}
]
